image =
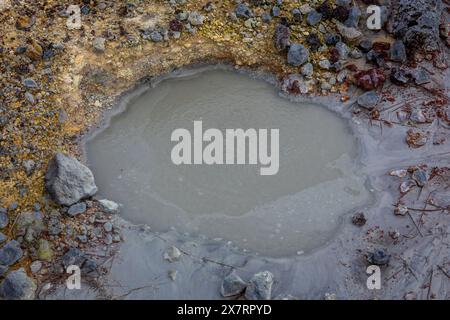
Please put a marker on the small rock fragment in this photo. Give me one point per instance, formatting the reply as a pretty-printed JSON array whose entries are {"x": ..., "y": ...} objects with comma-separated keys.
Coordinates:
[
  {"x": 76, "y": 209},
  {"x": 260, "y": 286},
  {"x": 368, "y": 100},
  {"x": 378, "y": 257},
  {"x": 232, "y": 285},
  {"x": 99, "y": 44},
  {"x": 297, "y": 55},
  {"x": 172, "y": 254},
  {"x": 359, "y": 219}
]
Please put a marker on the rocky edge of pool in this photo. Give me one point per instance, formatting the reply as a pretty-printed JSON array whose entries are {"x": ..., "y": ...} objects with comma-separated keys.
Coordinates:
[{"x": 65, "y": 69}]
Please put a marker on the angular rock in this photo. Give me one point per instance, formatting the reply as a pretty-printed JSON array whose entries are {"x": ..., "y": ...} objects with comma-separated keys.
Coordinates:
[
  {"x": 172, "y": 254},
  {"x": 242, "y": 11},
  {"x": 156, "y": 36},
  {"x": 195, "y": 18},
  {"x": 343, "y": 50},
  {"x": 73, "y": 256},
  {"x": 68, "y": 181},
  {"x": 260, "y": 286},
  {"x": 232, "y": 285},
  {"x": 99, "y": 44},
  {"x": 370, "y": 79},
  {"x": 400, "y": 76},
  {"x": 30, "y": 83},
  {"x": 348, "y": 33},
  {"x": 368, "y": 100},
  {"x": 353, "y": 17},
  {"x": 109, "y": 206},
  {"x": 35, "y": 266},
  {"x": 17, "y": 286},
  {"x": 307, "y": 70},
  {"x": 313, "y": 18},
  {"x": 421, "y": 76},
  {"x": 282, "y": 37},
  {"x": 76, "y": 209},
  {"x": 398, "y": 51},
  {"x": 10, "y": 253},
  {"x": 297, "y": 55}
]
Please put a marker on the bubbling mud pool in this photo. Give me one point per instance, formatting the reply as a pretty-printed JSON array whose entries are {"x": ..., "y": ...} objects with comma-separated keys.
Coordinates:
[{"x": 295, "y": 211}]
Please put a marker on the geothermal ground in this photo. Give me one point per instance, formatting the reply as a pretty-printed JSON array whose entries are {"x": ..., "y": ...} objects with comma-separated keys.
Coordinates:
[{"x": 65, "y": 73}]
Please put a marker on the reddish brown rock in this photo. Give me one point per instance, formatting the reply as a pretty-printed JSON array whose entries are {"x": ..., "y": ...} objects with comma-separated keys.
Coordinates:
[{"x": 370, "y": 79}]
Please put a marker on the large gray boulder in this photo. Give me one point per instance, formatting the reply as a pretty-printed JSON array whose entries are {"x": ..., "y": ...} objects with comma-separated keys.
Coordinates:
[
  {"x": 17, "y": 286},
  {"x": 68, "y": 181}
]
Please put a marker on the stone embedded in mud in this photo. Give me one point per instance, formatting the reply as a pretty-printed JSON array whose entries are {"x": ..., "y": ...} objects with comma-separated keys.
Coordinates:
[
  {"x": 68, "y": 181},
  {"x": 109, "y": 206},
  {"x": 172, "y": 254},
  {"x": 294, "y": 84},
  {"x": 420, "y": 177},
  {"x": 370, "y": 79},
  {"x": 359, "y": 219},
  {"x": 282, "y": 37},
  {"x": 260, "y": 286},
  {"x": 297, "y": 55},
  {"x": 368, "y": 100},
  {"x": 17, "y": 286},
  {"x": 378, "y": 257},
  {"x": 232, "y": 285},
  {"x": 10, "y": 253}
]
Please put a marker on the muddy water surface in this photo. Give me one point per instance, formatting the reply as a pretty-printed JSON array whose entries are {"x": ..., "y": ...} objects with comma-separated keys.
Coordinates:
[{"x": 294, "y": 211}]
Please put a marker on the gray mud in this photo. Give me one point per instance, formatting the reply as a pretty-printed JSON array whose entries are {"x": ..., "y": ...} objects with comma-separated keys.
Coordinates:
[{"x": 139, "y": 270}]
